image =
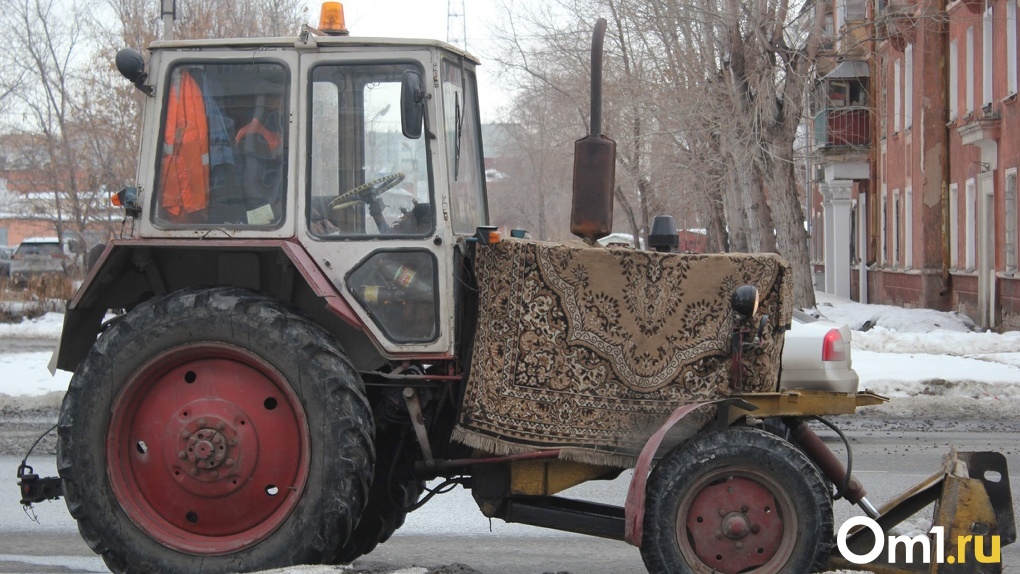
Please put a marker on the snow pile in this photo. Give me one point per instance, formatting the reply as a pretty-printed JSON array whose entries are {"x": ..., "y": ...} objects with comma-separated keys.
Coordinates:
[
  {"x": 938, "y": 342},
  {"x": 25, "y": 374},
  {"x": 861, "y": 317},
  {"x": 901, "y": 352},
  {"x": 46, "y": 327}
]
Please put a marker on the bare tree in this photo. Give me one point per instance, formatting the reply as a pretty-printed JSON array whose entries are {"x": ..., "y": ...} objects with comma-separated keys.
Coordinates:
[{"x": 716, "y": 86}]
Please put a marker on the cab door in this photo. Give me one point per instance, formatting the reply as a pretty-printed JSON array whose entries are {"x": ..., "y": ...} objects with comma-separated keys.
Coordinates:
[{"x": 372, "y": 218}]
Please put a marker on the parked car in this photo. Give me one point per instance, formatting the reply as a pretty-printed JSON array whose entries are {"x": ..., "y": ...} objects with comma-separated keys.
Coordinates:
[
  {"x": 5, "y": 261},
  {"x": 817, "y": 356},
  {"x": 38, "y": 257}
]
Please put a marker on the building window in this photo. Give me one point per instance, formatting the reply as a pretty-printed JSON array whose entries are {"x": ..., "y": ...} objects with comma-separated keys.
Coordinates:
[
  {"x": 908, "y": 228},
  {"x": 986, "y": 57},
  {"x": 954, "y": 81},
  {"x": 896, "y": 228},
  {"x": 954, "y": 225},
  {"x": 1011, "y": 48},
  {"x": 1011, "y": 222},
  {"x": 897, "y": 95},
  {"x": 908, "y": 86},
  {"x": 970, "y": 70},
  {"x": 971, "y": 223},
  {"x": 883, "y": 213}
]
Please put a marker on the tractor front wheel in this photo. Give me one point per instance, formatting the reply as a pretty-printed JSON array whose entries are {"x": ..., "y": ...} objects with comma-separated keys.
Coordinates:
[
  {"x": 738, "y": 500},
  {"x": 215, "y": 430}
]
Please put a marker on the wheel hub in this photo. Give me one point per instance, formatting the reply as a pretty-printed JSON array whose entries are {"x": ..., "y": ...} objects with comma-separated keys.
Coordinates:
[
  {"x": 733, "y": 525},
  {"x": 208, "y": 458},
  {"x": 208, "y": 448}
]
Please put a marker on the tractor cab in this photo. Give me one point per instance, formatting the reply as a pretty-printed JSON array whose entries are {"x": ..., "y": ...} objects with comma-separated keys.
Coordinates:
[{"x": 367, "y": 151}]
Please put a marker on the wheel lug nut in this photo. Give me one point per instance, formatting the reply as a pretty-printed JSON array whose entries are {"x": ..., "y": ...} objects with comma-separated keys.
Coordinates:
[
  {"x": 743, "y": 508},
  {"x": 722, "y": 512},
  {"x": 220, "y": 425},
  {"x": 185, "y": 434},
  {"x": 201, "y": 422},
  {"x": 754, "y": 529},
  {"x": 182, "y": 455},
  {"x": 217, "y": 475},
  {"x": 229, "y": 462},
  {"x": 193, "y": 472},
  {"x": 740, "y": 545}
]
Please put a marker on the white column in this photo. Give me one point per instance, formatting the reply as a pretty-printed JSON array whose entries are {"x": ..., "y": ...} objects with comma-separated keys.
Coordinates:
[
  {"x": 828, "y": 254},
  {"x": 837, "y": 204},
  {"x": 862, "y": 250},
  {"x": 986, "y": 249}
]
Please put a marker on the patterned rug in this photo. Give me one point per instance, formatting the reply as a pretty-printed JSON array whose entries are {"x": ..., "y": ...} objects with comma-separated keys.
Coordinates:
[{"x": 590, "y": 349}]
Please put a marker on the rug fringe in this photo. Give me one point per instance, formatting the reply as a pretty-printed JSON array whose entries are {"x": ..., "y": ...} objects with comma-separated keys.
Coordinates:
[{"x": 575, "y": 454}]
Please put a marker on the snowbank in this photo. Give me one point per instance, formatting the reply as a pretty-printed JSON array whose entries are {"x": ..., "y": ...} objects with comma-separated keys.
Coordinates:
[
  {"x": 46, "y": 327},
  {"x": 859, "y": 316},
  {"x": 26, "y": 374}
]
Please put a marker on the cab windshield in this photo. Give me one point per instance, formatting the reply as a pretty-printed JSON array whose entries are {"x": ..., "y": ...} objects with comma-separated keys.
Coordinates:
[{"x": 365, "y": 178}]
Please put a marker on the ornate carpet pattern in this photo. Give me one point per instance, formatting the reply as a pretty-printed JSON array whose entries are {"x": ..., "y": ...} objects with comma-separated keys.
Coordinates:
[{"x": 590, "y": 349}]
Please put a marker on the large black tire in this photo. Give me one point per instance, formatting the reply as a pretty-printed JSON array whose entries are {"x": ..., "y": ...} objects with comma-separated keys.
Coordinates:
[
  {"x": 393, "y": 491},
  {"x": 761, "y": 491},
  {"x": 206, "y": 369}
]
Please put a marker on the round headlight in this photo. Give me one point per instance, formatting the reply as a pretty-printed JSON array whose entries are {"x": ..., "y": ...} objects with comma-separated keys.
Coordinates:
[{"x": 745, "y": 300}]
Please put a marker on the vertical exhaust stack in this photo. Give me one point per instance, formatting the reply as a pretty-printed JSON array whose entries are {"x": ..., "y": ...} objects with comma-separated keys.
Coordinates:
[{"x": 591, "y": 216}]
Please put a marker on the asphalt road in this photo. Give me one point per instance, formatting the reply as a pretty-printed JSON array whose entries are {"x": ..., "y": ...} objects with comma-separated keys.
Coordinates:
[{"x": 450, "y": 530}]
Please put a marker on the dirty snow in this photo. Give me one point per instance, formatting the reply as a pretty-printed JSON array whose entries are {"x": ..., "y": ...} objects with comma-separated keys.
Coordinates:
[{"x": 45, "y": 327}]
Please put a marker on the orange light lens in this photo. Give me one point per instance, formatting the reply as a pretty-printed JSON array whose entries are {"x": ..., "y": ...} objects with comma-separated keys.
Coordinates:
[
  {"x": 115, "y": 199},
  {"x": 331, "y": 18},
  {"x": 494, "y": 237}
]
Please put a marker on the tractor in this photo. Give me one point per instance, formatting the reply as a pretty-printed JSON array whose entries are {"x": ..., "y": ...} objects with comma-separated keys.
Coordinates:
[{"x": 309, "y": 318}]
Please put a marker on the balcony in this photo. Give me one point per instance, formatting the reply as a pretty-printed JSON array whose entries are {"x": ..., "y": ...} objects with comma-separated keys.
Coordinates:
[{"x": 842, "y": 127}]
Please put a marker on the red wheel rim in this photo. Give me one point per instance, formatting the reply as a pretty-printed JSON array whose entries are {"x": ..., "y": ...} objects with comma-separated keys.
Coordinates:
[
  {"x": 208, "y": 448},
  {"x": 737, "y": 520}
]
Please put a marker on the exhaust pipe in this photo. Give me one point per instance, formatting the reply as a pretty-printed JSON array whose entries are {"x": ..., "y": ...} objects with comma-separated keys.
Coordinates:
[{"x": 591, "y": 215}]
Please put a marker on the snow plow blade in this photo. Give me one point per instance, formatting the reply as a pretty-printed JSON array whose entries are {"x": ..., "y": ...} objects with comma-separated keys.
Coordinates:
[{"x": 973, "y": 509}]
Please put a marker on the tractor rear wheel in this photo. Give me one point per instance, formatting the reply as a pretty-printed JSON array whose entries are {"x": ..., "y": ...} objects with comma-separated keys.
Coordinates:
[
  {"x": 394, "y": 490},
  {"x": 215, "y": 430},
  {"x": 737, "y": 500}
]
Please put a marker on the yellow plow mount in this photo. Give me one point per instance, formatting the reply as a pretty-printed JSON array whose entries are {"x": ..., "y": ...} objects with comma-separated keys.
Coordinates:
[{"x": 973, "y": 508}]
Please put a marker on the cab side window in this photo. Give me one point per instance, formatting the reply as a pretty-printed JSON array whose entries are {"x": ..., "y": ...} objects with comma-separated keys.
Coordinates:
[
  {"x": 223, "y": 156},
  {"x": 464, "y": 149}
]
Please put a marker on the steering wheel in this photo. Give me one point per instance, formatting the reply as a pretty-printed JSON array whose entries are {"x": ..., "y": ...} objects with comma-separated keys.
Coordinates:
[{"x": 368, "y": 191}]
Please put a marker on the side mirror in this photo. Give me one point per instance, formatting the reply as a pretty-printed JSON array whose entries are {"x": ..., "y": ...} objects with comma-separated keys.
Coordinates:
[
  {"x": 412, "y": 105},
  {"x": 131, "y": 65}
]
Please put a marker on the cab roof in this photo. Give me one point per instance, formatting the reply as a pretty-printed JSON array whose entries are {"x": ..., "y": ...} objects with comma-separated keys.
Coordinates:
[{"x": 311, "y": 40}]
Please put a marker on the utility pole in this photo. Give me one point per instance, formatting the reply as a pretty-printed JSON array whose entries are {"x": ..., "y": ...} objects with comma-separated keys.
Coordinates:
[
  {"x": 456, "y": 24},
  {"x": 168, "y": 11}
]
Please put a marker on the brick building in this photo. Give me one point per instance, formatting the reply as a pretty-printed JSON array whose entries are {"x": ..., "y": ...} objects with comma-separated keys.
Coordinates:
[{"x": 929, "y": 217}]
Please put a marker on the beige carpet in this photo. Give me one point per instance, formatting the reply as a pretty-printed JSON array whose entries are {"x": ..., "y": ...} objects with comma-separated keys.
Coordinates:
[{"x": 590, "y": 349}]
